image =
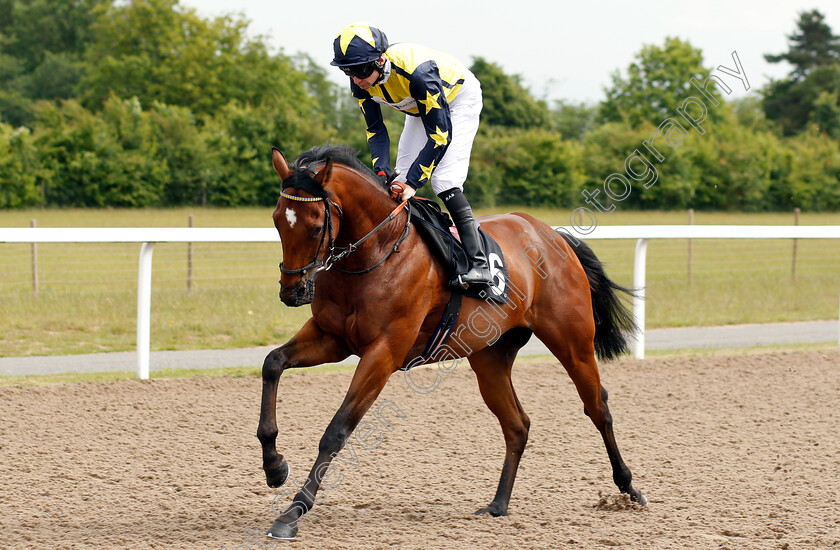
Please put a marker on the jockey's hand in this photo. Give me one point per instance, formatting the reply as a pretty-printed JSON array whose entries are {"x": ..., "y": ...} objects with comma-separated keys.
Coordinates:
[{"x": 401, "y": 191}]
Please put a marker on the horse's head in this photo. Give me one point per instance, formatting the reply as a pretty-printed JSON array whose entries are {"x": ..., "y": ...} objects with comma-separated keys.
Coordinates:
[{"x": 307, "y": 221}]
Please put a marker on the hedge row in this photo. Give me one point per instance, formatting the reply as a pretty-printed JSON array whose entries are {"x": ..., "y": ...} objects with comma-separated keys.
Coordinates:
[
  {"x": 730, "y": 167},
  {"x": 131, "y": 156}
]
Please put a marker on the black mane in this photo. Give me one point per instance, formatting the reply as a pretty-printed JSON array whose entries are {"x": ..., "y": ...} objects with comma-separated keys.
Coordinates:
[{"x": 303, "y": 164}]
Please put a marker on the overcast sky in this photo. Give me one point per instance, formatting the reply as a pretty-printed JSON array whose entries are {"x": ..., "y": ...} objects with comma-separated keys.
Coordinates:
[{"x": 562, "y": 50}]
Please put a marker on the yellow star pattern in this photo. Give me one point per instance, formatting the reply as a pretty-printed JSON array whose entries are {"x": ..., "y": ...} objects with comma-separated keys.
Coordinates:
[
  {"x": 370, "y": 135},
  {"x": 431, "y": 101},
  {"x": 440, "y": 137},
  {"x": 427, "y": 171},
  {"x": 348, "y": 33},
  {"x": 373, "y": 161},
  {"x": 362, "y": 106}
]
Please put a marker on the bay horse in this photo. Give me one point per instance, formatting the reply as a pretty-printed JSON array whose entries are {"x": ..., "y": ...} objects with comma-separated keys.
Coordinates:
[{"x": 338, "y": 225}]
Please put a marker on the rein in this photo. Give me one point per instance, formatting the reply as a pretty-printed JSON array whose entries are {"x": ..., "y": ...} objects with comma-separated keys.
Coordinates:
[
  {"x": 352, "y": 248},
  {"x": 327, "y": 263}
]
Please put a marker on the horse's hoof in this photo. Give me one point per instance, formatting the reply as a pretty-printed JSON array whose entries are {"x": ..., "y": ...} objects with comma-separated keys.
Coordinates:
[
  {"x": 282, "y": 531},
  {"x": 275, "y": 477},
  {"x": 494, "y": 510},
  {"x": 640, "y": 498}
]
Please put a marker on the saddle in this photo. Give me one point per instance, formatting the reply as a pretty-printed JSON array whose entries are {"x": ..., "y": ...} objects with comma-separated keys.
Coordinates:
[
  {"x": 437, "y": 230},
  {"x": 439, "y": 233}
]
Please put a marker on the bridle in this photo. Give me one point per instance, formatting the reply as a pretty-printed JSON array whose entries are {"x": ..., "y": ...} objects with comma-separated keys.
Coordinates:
[{"x": 337, "y": 254}]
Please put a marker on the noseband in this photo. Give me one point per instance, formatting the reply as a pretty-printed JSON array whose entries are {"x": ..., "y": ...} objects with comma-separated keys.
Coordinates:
[{"x": 338, "y": 254}]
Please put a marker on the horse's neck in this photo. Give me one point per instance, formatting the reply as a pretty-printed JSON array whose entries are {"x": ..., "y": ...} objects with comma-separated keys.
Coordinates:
[{"x": 364, "y": 207}]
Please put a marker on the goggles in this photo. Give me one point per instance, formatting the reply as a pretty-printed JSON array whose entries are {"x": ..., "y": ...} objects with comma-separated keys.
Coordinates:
[{"x": 359, "y": 71}]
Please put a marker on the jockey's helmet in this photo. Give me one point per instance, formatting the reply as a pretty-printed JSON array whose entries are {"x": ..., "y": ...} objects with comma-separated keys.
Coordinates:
[{"x": 358, "y": 44}]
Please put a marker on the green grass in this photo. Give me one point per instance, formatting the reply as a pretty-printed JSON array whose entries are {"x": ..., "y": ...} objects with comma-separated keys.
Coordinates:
[
  {"x": 738, "y": 281},
  {"x": 87, "y": 293},
  {"x": 225, "y": 372}
]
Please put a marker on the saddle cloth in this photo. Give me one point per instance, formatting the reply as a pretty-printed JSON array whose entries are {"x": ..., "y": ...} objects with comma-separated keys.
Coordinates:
[{"x": 436, "y": 228}]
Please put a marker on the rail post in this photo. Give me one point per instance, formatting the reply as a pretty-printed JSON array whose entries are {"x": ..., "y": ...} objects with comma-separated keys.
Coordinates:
[
  {"x": 190, "y": 260},
  {"x": 690, "y": 245},
  {"x": 795, "y": 244},
  {"x": 35, "y": 285},
  {"x": 639, "y": 266},
  {"x": 144, "y": 310}
]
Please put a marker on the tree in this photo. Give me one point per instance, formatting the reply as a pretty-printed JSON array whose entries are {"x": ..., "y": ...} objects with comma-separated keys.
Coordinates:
[
  {"x": 573, "y": 121},
  {"x": 812, "y": 45},
  {"x": 814, "y": 53},
  {"x": 506, "y": 101},
  {"x": 525, "y": 167},
  {"x": 749, "y": 113},
  {"x": 178, "y": 140},
  {"x": 656, "y": 83},
  {"x": 156, "y": 50},
  {"x": 36, "y": 27},
  {"x": 18, "y": 174},
  {"x": 107, "y": 160},
  {"x": 826, "y": 113},
  {"x": 41, "y": 46}
]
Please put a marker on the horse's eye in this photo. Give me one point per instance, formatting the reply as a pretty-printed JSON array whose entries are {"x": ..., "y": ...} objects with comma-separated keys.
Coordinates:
[{"x": 316, "y": 232}]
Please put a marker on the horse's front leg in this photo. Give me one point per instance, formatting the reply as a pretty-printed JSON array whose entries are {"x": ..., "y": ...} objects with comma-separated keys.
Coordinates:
[
  {"x": 310, "y": 346},
  {"x": 375, "y": 367}
]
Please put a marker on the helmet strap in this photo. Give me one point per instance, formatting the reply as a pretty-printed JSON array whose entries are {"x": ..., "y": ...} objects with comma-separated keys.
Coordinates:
[{"x": 380, "y": 66}]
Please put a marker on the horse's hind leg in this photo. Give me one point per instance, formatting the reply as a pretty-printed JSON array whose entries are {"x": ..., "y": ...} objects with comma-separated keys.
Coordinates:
[
  {"x": 492, "y": 367},
  {"x": 577, "y": 354}
]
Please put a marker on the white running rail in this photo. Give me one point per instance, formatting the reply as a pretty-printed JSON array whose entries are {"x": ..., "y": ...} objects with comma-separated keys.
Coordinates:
[{"x": 149, "y": 236}]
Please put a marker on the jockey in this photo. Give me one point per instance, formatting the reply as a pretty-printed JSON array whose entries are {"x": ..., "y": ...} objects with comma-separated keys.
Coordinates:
[{"x": 441, "y": 99}]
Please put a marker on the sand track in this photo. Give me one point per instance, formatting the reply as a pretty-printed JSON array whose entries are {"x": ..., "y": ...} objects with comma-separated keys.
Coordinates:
[{"x": 733, "y": 452}]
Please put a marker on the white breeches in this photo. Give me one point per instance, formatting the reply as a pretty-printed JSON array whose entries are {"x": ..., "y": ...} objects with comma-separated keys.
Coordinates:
[{"x": 453, "y": 167}]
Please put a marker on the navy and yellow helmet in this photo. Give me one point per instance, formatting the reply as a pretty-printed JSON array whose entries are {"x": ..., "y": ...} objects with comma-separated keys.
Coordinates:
[{"x": 357, "y": 44}]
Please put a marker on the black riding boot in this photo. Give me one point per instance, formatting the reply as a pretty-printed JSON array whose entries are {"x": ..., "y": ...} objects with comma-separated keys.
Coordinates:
[{"x": 479, "y": 271}]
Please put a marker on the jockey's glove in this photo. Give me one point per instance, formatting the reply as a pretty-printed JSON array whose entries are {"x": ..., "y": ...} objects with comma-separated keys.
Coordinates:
[{"x": 401, "y": 191}]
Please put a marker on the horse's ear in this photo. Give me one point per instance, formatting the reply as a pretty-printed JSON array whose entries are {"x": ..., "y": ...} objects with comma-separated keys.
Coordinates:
[
  {"x": 279, "y": 162},
  {"x": 324, "y": 175}
]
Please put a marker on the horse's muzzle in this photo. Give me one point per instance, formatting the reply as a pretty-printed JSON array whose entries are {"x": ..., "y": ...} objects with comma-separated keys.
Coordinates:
[{"x": 300, "y": 294}]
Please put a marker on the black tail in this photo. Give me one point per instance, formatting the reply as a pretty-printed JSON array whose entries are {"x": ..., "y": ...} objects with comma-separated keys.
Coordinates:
[{"x": 613, "y": 321}]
